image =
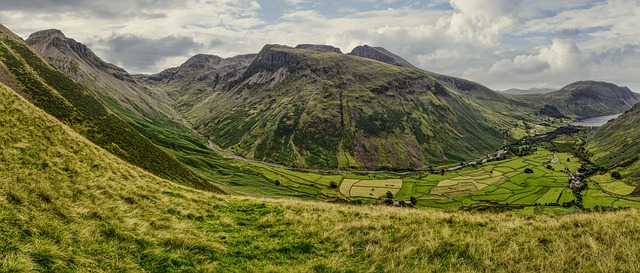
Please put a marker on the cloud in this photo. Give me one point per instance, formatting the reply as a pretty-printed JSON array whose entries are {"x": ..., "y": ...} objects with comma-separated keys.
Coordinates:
[
  {"x": 482, "y": 21},
  {"x": 496, "y": 42},
  {"x": 143, "y": 54}
]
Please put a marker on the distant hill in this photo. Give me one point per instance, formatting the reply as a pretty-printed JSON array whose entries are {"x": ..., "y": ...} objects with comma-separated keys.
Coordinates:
[
  {"x": 587, "y": 99},
  {"x": 312, "y": 106},
  {"x": 617, "y": 144},
  {"x": 30, "y": 75},
  {"x": 584, "y": 99},
  {"x": 530, "y": 91}
]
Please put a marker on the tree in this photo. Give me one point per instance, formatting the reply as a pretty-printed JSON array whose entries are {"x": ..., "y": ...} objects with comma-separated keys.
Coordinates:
[
  {"x": 389, "y": 195},
  {"x": 333, "y": 184},
  {"x": 528, "y": 170},
  {"x": 277, "y": 182},
  {"x": 413, "y": 200},
  {"x": 550, "y": 167},
  {"x": 616, "y": 175}
]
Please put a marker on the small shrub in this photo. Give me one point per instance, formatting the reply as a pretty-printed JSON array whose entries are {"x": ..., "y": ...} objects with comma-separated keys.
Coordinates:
[{"x": 616, "y": 175}]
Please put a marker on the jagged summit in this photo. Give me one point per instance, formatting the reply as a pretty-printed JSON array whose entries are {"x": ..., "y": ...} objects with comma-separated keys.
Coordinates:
[
  {"x": 380, "y": 54},
  {"x": 328, "y": 48},
  {"x": 43, "y": 34},
  {"x": 55, "y": 44},
  {"x": 202, "y": 61},
  {"x": 271, "y": 58}
]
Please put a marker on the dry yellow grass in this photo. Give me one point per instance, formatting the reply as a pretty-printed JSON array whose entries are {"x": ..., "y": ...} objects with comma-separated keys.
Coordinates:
[
  {"x": 370, "y": 188},
  {"x": 67, "y": 205}
]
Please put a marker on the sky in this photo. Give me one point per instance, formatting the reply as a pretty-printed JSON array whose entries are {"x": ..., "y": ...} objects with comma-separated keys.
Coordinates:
[{"x": 499, "y": 43}]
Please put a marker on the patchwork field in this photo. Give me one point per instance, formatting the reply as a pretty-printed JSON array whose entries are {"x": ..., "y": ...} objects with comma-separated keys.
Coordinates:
[
  {"x": 370, "y": 188},
  {"x": 492, "y": 184}
]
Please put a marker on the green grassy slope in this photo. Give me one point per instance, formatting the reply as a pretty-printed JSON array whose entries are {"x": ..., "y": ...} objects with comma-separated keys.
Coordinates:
[
  {"x": 616, "y": 145},
  {"x": 70, "y": 102},
  {"x": 586, "y": 99},
  {"x": 151, "y": 113},
  {"x": 68, "y": 205}
]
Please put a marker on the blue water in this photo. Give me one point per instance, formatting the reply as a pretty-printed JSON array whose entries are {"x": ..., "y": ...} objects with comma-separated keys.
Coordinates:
[{"x": 595, "y": 122}]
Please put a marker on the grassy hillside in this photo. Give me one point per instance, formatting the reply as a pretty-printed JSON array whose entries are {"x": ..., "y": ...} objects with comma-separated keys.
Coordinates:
[
  {"x": 587, "y": 99},
  {"x": 56, "y": 93},
  {"x": 616, "y": 145},
  {"x": 68, "y": 205},
  {"x": 150, "y": 113}
]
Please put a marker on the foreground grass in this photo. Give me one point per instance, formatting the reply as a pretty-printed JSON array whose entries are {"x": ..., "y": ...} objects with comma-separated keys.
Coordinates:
[{"x": 67, "y": 205}]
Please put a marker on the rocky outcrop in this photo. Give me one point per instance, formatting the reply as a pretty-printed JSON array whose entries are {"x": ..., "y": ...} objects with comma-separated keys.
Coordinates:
[
  {"x": 54, "y": 45},
  {"x": 271, "y": 58},
  {"x": 320, "y": 47},
  {"x": 380, "y": 54}
]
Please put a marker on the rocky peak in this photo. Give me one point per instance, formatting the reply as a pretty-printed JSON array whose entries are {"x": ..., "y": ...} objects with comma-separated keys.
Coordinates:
[
  {"x": 39, "y": 36},
  {"x": 380, "y": 54},
  {"x": 271, "y": 58},
  {"x": 320, "y": 47},
  {"x": 53, "y": 44},
  {"x": 202, "y": 61}
]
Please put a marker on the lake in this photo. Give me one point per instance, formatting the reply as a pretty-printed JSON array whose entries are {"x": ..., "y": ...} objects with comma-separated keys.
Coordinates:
[{"x": 595, "y": 122}]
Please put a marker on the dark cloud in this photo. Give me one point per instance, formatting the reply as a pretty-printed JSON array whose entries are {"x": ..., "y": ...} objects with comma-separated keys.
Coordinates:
[
  {"x": 101, "y": 9},
  {"x": 616, "y": 55},
  {"x": 143, "y": 54},
  {"x": 570, "y": 32}
]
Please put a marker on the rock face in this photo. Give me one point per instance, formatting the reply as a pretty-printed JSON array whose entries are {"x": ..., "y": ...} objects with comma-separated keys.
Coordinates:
[
  {"x": 586, "y": 99},
  {"x": 320, "y": 47},
  {"x": 380, "y": 54},
  {"x": 107, "y": 80},
  {"x": 56, "y": 47}
]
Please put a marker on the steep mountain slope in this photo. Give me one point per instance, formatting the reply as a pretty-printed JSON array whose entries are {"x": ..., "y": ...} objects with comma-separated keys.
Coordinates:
[
  {"x": 313, "y": 107},
  {"x": 107, "y": 80},
  {"x": 48, "y": 88},
  {"x": 380, "y": 54},
  {"x": 67, "y": 205},
  {"x": 617, "y": 144},
  {"x": 586, "y": 99}
]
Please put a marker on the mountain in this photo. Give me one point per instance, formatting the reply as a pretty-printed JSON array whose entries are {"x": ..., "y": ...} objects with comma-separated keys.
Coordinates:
[
  {"x": 152, "y": 111},
  {"x": 67, "y": 205},
  {"x": 530, "y": 91},
  {"x": 587, "y": 99},
  {"x": 617, "y": 144},
  {"x": 194, "y": 80},
  {"x": 30, "y": 75},
  {"x": 107, "y": 80},
  {"x": 312, "y": 106},
  {"x": 380, "y": 54}
]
